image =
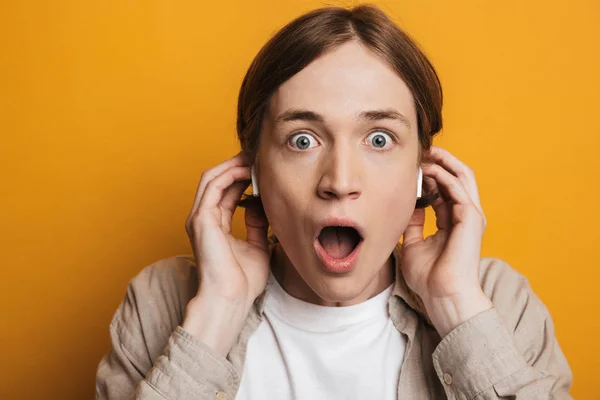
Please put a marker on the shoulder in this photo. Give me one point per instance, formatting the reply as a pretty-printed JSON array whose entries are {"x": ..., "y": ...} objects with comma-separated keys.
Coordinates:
[
  {"x": 154, "y": 305},
  {"x": 521, "y": 310},
  {"x": 508, "y": 289}
]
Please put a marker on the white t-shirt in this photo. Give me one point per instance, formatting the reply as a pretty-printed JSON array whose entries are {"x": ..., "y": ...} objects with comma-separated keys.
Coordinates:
[{"x": 306, "y": 351}]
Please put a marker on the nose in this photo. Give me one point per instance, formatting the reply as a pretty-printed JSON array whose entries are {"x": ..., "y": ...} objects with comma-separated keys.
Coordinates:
[{"x": 340, "y": 176}]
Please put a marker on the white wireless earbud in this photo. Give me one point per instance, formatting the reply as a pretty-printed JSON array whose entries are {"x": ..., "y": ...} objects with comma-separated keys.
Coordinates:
[
  {"x": 254, "y": 184},
  {"x": 419, "y": 183}
]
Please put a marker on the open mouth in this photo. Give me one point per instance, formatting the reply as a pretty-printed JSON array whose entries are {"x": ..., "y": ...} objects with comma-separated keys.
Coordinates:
[{"x": 339, "y": 241}]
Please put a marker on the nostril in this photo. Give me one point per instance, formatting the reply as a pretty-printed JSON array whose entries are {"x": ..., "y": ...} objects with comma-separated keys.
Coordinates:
[{"x": 333, "y": 194}]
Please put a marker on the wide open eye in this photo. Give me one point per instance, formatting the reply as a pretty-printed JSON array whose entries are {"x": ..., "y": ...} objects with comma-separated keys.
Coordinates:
[
  {"x": 379, "y": 140},
  {"x": 303, "y": 141}
]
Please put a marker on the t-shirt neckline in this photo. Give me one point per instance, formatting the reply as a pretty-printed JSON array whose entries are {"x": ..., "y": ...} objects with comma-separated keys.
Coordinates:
[{"x": 318, "y": 318}]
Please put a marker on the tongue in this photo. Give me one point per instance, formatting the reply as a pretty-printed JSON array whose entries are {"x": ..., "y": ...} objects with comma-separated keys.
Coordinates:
[{"x": 338, "y": 242}]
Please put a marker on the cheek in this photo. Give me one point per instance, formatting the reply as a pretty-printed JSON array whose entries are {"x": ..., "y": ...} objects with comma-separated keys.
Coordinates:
[
  {"x": 284, "y": 201},
  {"x": 395, "y": 204}
]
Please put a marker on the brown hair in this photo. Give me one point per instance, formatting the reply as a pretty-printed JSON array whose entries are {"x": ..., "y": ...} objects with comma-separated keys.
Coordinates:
[{"x": 313, "y": 34}]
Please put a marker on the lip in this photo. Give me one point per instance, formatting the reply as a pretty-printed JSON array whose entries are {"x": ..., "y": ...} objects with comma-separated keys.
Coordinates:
[{"x": 338, "y": 265}]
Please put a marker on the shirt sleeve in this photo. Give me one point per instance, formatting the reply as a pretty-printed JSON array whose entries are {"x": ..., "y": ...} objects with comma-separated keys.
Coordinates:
[
  {"x": 142, "y": 365},
  {"x": 507, "y": 352}
]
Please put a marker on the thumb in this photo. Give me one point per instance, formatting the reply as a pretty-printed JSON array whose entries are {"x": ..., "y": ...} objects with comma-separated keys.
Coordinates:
[
  {"x": 257, "y": 226},
  {"x": 414, "y": 230}
]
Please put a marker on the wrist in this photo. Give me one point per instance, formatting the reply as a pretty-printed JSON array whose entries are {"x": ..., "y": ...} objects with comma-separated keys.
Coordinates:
[
  {"x": 448, "y": 313},
  {"x": 216, "y": 322}
]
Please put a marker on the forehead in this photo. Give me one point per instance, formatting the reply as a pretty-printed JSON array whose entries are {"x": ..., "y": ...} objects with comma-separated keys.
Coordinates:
[{"x": 344, "y": 82}]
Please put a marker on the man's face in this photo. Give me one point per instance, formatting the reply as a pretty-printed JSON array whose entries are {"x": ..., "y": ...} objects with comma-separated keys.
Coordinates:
[{"x": 339, "y": 140}]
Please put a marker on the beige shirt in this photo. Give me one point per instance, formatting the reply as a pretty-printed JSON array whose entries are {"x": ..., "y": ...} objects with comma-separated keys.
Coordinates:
[{"x": 507, "y": 352}]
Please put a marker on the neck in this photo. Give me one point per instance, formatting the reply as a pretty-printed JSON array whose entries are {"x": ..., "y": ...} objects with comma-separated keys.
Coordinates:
[{"x": 288, "y": 277}]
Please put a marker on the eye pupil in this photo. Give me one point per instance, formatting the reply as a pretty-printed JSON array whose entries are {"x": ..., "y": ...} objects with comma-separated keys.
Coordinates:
[
  {"x": 379, "y": 141},
  {"x": 302, "y": 142}
]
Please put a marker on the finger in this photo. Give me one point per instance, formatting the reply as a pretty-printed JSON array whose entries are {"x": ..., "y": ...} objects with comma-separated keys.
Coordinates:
[
  {"x": 229, "y": 202},
  {"x": 216, "y": 188},
  {"x": 453, "y": 187},
  {"x": 233, "y": 194},
  {"x": 414, "y": 230},
  {"x": 442, "y": 205},
  {"x": 257, "y": 227},
  {"x": 449, "y": 183},
  {"x": 212, "y": 173},
  {"x": 458, "y": 169}
]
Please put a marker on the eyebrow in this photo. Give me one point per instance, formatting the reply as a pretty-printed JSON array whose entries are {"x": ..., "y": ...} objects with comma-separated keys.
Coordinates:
[{"x": 369, "y": 115}]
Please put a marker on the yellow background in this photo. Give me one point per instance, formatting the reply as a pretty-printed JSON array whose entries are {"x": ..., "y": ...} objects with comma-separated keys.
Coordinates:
[{"x": 110, "y": 111}]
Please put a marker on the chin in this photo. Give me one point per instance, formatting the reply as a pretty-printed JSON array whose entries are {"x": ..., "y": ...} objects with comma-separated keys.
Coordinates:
[{"x": 347, "y": 288}]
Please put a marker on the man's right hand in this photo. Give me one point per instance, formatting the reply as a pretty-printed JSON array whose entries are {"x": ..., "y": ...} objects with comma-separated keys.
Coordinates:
[{"x": 231, "y": 272}]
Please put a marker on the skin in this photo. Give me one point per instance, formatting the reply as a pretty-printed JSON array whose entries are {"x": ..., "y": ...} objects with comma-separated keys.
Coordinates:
[{"x": 342, "y": 173}]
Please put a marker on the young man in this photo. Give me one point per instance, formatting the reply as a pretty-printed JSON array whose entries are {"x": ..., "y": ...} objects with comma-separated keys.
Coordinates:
[{"x": 336, "y": 116}]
